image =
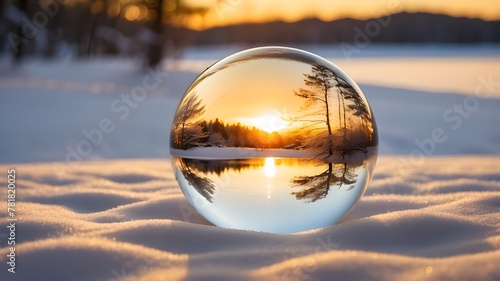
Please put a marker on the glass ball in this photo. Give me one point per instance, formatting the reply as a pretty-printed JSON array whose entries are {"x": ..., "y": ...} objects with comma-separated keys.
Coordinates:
[{"x": 273, "y": 139}]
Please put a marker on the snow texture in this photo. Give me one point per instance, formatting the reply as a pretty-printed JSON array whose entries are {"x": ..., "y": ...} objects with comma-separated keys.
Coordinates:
[
  {"x": 431, "y": 212},
  {"x": 128, "y": 220}
]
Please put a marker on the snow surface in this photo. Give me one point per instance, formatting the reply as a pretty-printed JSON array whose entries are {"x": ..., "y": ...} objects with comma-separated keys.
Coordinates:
[
  {"x": 432, "y": 211},
  {"x": 235, "y": 153},
  {"x": 128, "y": 220},
  {"x": 45, "y": 106}
]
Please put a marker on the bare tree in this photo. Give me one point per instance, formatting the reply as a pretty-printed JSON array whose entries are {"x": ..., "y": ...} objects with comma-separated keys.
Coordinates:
[
  {"x": 169, "y": 13},
  {"x": 22, "y": 5},
  {"x": 187, "y": 130},
  {"x": 324, "y": 142},
  {"x": 360, "y": 138},
  {"x": 317, "y": 105},
  {"x": 155, "y": 48}
]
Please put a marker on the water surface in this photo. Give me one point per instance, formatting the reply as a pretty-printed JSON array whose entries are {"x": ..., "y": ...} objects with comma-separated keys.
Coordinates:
[{"x": 279, "y": 195}]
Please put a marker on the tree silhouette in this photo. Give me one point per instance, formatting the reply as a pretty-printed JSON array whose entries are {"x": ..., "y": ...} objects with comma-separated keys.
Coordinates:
[
  {"x": 222, "y": 134},
  {"x": 22, "y": 5},
  {"x": 332, "y": 146},
  {"x": 203, "y": 185},
  {"x": 317, "y": 96},
  {"x": 323, "y": 142},
  {"x": 154, "y": 52},
  {"x": 93, "y": 27},
  {"x": 219, "y": 167},
  {"x": 343, "y": 91},
  {"x": 187, "y": 131},
  {"x": 358, "y": 107},
  {"x": 318, "y": 186}
]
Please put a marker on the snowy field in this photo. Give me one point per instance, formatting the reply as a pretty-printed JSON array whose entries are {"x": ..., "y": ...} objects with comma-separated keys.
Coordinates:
[{"x": 96, "y": 197}]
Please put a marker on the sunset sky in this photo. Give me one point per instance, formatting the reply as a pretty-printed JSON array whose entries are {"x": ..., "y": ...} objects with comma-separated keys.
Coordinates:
[
  {"x": 255, "y": 103},
  {"x": 261, "y": 93},
  {"x": 226, "y": 12}
]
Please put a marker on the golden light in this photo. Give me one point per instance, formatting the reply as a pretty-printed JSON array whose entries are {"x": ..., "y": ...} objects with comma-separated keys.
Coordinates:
[
  {"x": 132, "y": 13},
  {"x": 269, "y": 123},
  {"x": 143, "y": 12},
  {"x": 269, "y": 167},
  {"x": 237, "y": 11},
  {"x": 170, "y": 6}
]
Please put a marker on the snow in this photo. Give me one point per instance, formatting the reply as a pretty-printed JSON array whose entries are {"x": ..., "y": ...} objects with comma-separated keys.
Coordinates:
[
  {"x": 116, "y": 213},
  {"x": 129, "y": 218},
  {"x": 235, "y": 153},
  {"x": 80, "y": 94}
]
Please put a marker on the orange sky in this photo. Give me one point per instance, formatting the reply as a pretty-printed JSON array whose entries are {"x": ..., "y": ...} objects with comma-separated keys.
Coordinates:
[
  {"x": 225, "y": 12},
  {"x": 258, "y": 93},
  {"x": 261, "y": 96}
]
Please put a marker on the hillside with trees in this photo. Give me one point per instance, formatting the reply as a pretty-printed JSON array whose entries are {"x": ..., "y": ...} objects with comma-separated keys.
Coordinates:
[
  {"x": 152, "y": 30},
  {"x": 217, "y": 133},
  {"x": 396, "y": 28}
]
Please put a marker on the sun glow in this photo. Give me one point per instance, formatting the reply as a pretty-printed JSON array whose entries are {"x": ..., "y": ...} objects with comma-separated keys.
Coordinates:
[
  {"x": 236, "y": 11},
  {"x": 269, "y": 167},
  {"x": 269, "y": 123}
]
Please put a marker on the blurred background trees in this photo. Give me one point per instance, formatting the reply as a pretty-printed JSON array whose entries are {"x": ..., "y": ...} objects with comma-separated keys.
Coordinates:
[
  {"x": 147, "y": 29},
  {"x": 150, "y": 30}
]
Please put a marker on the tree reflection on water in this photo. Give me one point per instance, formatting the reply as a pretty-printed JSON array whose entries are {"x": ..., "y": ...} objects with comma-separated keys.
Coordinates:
[
  {"x": 336, "y": 141},
  {"x": 203, "y": 185}
]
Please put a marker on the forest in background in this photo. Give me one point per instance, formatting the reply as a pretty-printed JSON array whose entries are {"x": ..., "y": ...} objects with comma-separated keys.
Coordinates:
[
  {"x": 146, "y": 29},
  {"x": 153, "y": 29},
  {"x": 220, "y": 134},
  {"x": 400, "y": 28}
]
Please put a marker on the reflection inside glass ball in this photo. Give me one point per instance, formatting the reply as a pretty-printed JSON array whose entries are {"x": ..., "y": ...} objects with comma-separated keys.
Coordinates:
[{"x": 273, "y": 139}]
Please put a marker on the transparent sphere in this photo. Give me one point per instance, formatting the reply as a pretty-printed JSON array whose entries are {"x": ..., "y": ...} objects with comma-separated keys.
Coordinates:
[{"x": 273, "y": 139}]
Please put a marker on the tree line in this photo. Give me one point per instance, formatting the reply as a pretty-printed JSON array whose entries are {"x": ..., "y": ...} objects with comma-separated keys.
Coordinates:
[
  {"x": 217, "y": 133},
  {"x": 152, "y": 29},
  {"x": 400, "y": 28},
  {"x": 146, "y": 29}
]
